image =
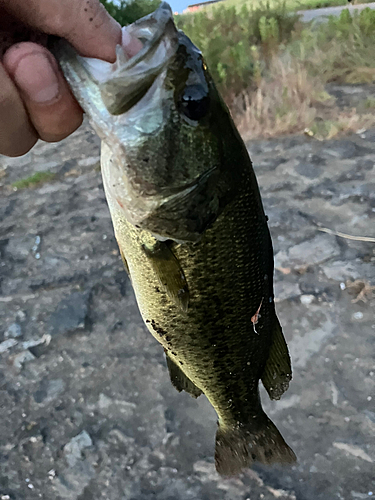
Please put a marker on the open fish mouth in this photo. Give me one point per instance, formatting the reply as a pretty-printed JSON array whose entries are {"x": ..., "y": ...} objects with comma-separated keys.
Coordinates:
[{"x": 147, "y": 46}]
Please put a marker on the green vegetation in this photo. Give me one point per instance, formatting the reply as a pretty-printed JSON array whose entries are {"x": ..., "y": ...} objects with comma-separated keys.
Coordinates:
[
  {"x": 126, "y": 12},
  {"x": 341, "y": 49},
  {"x": 291, "y": 5},
  {"x": 239, "y": 42},
  {"x": 34, "y": 180}
]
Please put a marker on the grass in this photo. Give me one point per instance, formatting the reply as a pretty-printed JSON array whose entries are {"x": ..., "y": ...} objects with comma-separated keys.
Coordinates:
[
  {"x": 34, "y": 180},
  {"x": 291, "y": 5},
  {"x": 341, "y": 49}
]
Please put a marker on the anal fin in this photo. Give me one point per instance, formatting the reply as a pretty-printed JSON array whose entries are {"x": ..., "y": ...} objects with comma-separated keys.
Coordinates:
[
  {"x": 179, "y": 380},
  {"x": 278, "y": 371}
]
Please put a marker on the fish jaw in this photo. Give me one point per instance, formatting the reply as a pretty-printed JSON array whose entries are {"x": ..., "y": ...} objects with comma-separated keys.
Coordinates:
[
  {"x": 147, "y": 46},
  {"x": 131, "y": 75}
]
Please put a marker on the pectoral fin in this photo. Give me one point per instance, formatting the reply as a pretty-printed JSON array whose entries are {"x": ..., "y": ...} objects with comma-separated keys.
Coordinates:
[
  {"x": 278, "y": 371},
  {"x": 169, "y": 272}
]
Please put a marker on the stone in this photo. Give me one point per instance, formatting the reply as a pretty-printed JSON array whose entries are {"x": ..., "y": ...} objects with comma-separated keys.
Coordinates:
[
  {"x": 344, "y": 149},
  {"x": 73, "y": 449},
  {"x": 308, "y": 253},
  {"x": 308, "y": 169},
  {"x": 306, "y": 300},
  {"x": 269, "y": 164},
  {"x": 70, "y": 314},
  {"x": 14, "y": 331},
  {"x": 49, "y": 390},
  {"x": 19, "y": 360},
  {"x": 19, "y": 247},
  {"x": 340, "y": 270},
  {"x": 285, "y": 290},
  {"x": 7, "y": 344}
]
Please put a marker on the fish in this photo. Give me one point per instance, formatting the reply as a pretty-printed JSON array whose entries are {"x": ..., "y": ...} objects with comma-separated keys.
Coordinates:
[{"x": 191, "y": 228}]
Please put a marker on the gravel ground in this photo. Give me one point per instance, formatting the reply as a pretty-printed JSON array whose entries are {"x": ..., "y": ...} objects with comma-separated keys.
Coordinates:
[{"x": 87, "y": 411}]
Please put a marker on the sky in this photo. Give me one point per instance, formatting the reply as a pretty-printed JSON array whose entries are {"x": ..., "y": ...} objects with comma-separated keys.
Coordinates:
[{"x": 180, "y": 5}]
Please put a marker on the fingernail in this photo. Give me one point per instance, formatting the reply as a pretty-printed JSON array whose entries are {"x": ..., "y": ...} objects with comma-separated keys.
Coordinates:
[{"x": 36, "y": 77}]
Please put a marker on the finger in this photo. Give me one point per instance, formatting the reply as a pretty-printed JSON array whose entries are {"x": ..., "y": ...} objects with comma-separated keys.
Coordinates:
[
  {"x": 17, "y": 135},
  {"x": 84, "y": 23},
  {"x": 52, "y": 109},
  {"x": 12, "y": 31}
]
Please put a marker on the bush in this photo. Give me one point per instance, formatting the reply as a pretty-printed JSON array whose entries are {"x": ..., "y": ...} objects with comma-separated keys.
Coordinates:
[
  {"x": 238, "y": 41},
  {"x": 340, "y": 50}
]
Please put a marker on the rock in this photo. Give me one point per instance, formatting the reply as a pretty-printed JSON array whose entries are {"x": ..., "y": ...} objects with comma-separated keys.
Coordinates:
[
  {"x": 310, "y": 342},
  {"x": 365, "y": 164},
  {"x": 72, "y": 482},
  {"x": 269, "y": 164},
  {"x": 88, "y": 162},
  {"x": 309, "y": 170},
  {"x": 343, "y": 148},
  {"x": 14, "y": 331},
  {"x": 7, "y": 344},
  {"x": 73, "y": 449},
  {"x": 326, "y": 189},
  {"x": 104, "y": 402},
  {"x": 21, "y": 315},
  {"x": 19, "y": 248},
  {"x": 20, "y": 359},
  {"x": 352, "y": 175},
  {"x": 285, "y": 290},
  {"x": 49, "y": 390},
  {"x": 340, "y": 270},
  {"x": 306, "y": 300},
  {"x": 70, "y": 314},
  {"x": 38, "y": 350},
  {"x": 309, "y": 253},
  {"x": 357, "y": 315}
]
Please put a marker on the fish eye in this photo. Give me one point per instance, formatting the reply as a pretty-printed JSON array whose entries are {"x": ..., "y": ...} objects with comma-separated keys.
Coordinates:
[{"x": 194, "y": 102}]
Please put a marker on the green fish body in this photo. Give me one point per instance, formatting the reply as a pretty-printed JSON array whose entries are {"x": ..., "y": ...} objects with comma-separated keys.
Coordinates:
[{"x": 192, "y": 232}]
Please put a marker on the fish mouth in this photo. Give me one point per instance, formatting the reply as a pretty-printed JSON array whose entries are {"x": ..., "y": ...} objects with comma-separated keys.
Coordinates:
[{"x": 147, "y": 46}]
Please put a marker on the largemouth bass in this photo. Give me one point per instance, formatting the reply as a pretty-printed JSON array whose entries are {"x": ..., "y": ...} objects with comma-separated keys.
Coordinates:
[{"x": 191, "y": 229}]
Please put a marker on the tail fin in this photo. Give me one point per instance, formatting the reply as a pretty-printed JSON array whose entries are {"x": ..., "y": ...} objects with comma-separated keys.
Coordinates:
[{"x": 260, "y": 441}]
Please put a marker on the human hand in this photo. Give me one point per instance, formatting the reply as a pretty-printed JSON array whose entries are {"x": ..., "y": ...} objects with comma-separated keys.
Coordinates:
[{"x": 35, "y": 99}]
